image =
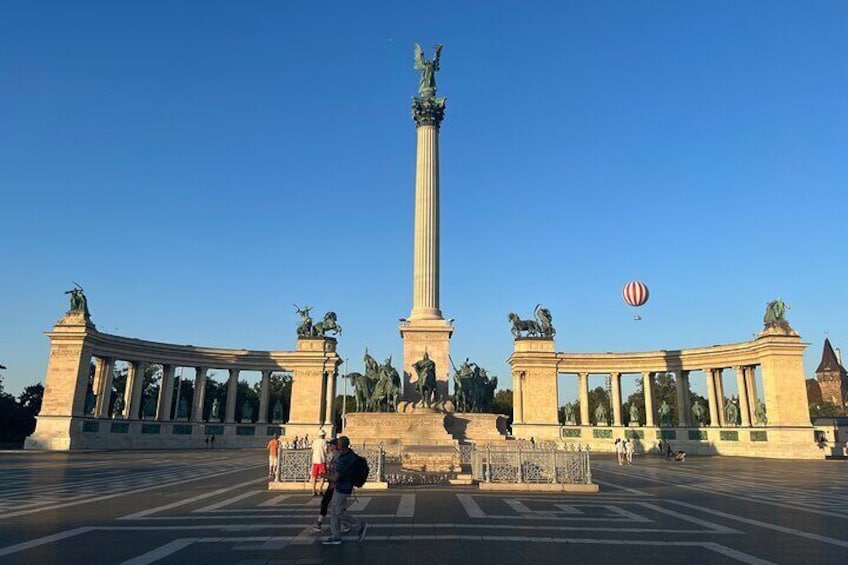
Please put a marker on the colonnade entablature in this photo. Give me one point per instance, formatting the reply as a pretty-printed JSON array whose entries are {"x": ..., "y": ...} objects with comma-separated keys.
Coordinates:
[{"x": 75, "y": 343}]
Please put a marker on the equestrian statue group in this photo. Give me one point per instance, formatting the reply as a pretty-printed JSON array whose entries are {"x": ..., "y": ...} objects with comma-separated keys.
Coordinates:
[
  {"x": 320, "y": 329},
  {"x": 378, "y": 390},
  {"x": 540, "y": 327}
]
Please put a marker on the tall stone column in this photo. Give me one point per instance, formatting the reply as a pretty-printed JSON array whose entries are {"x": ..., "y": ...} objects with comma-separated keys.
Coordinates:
[
  {"x": 264, "y": 397},
  {"x": 711, "y": 398},
  {"x": 105, "y": 368},
  {"x": 133, "y": 389},
  {"x": 584, "y": 399},
  {"x": 744, "y": 408},
  {"x": 166, "y": 394},
  {"x": 199, "y": 400},
  {"x": 751, "y": 386},
  {"x": 719, "y": 385},
  {"x": 330, "y": 395},
  {"x": 426, "y": 329},
  {"x": 518, "y": 397},
  {"x": 648, "y": 389},
  {"x": 682, "y": 398},
  {"x": 232, "y": 396},
  {"x": 615, "y": 379}
]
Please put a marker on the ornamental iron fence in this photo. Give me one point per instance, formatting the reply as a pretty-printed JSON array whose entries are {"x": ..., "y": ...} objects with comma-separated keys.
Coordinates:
[
  {"x": 295, "y": 465},
  {"x": 531, "y": 466}
]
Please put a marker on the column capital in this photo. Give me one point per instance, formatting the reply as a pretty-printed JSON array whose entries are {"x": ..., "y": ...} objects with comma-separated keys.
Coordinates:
[{"x": 428, "y": 110}]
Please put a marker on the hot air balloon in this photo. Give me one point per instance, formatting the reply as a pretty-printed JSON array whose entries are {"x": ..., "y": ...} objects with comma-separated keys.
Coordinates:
[{"x": 635, "y": 293}]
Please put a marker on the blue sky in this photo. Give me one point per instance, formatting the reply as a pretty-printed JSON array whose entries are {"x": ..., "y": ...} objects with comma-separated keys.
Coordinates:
[{"x": 201, "y": 166}]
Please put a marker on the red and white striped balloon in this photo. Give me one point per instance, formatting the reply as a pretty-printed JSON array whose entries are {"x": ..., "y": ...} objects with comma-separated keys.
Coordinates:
[{"x": 635, "y": 293}]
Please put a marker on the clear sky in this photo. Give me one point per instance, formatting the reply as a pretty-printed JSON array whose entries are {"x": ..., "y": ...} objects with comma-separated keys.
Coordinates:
[{"x": 201, "y": 166}]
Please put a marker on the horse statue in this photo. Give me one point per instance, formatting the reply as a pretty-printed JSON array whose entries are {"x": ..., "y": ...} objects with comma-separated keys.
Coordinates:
[
  {"x": 463, "y": 379},
  {"x": 362, "y": 390},
  {"x": 328, "y": 324},
  {"x": 385, "y": 395},
  {"x": 426, "y": 385},
  {"x": 304, "y": 329},
  {"x": 518, "y": 325}
]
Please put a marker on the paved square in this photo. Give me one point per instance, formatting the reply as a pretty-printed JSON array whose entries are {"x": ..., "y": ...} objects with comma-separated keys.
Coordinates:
[{"x": 212, "y": 507}]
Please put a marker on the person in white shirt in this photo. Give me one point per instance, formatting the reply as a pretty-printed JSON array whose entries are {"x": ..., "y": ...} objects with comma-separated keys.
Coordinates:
[{"x": 319, "y": 461}]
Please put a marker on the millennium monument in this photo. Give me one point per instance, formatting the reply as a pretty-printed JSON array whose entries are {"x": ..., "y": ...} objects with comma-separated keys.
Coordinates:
[
  {"x": 409, "y": 411},
  {"x": 425, "y": 332}
]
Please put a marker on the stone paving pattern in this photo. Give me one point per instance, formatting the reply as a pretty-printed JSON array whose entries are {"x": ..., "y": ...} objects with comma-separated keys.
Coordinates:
[{"x": 213, "y": 507}]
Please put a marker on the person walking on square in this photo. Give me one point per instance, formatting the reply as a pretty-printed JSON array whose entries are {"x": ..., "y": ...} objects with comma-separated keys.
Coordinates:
[
  {"x": 628, "y": 451},
  {"x": 273, "y": 447},
  {"x": 319, "y": 461},
  {"x": 343, "y": 479},
  {"x": 328, "y": 494},
  {"x": 619, "y": 451}
]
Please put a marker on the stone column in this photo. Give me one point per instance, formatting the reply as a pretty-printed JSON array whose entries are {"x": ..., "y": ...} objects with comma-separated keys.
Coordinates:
[
  {"x": 744, "y": 409},
  {"x": 615, "y": 379},
  {"x": 425, "y": 280},
  {"x": 330, "y": 395},
  {"x": 166, "y": 394},
  {"x": 751, "y": 386},
  {"x": 648, "y": 389},
  {"x": 682, "y": 398},
  {"x": 711, "y": 397},
  {"x": 105, "y": 368},
  {"x": 133, "y": 389},
  {"x": 198, "y": 402},
  {"x": 264, "y": 396},
  {"x": 232, "y": 396},
  {"x": 584, "y": 399},
  {"x": 518, "y": 397},
  {"x": 719, "y": 381}
]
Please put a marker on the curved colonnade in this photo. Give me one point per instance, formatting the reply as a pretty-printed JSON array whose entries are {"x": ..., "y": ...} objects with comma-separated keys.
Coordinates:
[
  {"x": 64, "y": 422},
  {"x": 777, "y": 353}
]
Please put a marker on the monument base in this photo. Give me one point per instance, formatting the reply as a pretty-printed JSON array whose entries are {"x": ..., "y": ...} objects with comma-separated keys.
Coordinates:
[
  {"x": 432, "y": 336},
  {"x": 431, "y": 459}
]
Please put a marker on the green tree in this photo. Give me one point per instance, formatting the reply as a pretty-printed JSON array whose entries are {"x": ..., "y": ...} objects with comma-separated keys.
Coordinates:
[
  {"x": 280, "y": 387},
  {"x": 502, "y": 402}
]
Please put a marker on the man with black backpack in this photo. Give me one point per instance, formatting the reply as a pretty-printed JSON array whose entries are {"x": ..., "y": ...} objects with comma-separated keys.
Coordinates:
[{"x": 351, "y": 470}]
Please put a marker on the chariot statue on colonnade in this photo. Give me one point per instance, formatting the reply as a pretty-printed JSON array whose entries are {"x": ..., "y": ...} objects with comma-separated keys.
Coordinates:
[
  {"x": 306, "y": 328},
  {"x": 542, "y": 326}
]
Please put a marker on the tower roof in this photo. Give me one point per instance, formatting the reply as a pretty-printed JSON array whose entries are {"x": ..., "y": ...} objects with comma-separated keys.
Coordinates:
[{"x": 829, "y": 362}]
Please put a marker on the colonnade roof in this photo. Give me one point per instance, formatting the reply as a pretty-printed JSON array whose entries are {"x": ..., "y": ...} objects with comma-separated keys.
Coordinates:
[
  {"x": 746, "y": 353},
  {"x": 132, "y": 349}
]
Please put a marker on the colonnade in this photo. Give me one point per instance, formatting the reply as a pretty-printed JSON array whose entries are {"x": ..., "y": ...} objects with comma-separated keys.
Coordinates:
[
  {"x": 75, "y": 343},
  {"x": 746, "y": 385},
  {"x": 778, "y": 356}
]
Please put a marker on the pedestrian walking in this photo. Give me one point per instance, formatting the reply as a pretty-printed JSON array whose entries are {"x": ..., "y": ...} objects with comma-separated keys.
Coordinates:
[
  {"x": 619, "y": 451},
  {"x": 348, "y": 469},
  {"x": 328, "y": 494},
  {"x": 628, "y": 451},
  {"x": 273, "y": 448},
  {"x": 319, "y": 461}
]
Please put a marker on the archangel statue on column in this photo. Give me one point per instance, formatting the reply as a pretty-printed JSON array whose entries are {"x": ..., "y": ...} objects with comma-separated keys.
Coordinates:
[{"x": 427, "y": 85}]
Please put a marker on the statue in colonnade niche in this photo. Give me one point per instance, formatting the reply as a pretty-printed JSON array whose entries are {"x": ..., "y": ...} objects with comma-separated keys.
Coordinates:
[
  {"x": 601, "y": 415},
  {"x": 568, "y": 413},
  {"x": 214, "y": 413},
  {"x": 246, "y": 412},
  {"x": 776, "y": 313},
  {"x": 182, "y": 409},
  {"x": 79, "y": 303},
  {"x": 277, "y": 412},
  {"x": 760, "y": 413},
  {"x": 118, "y": 409},
  {"x": 731, "y": 413},
  {"x": 665, "y": 414},
  {"x": 634, "y": 414},
  {"x": 149, "y": 408},
  {"x": 699, "y": 412}
]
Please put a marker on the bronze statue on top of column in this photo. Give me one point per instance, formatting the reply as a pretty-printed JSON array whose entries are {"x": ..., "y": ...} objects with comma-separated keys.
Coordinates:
[{"x": 427, "y": 108}]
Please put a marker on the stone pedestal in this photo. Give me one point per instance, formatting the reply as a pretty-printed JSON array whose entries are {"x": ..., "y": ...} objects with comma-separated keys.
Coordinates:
[
  {"x": 431, "y": 459},
  {"x": 395, "y": 430},
  {"x": 432, "y": 336}
]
